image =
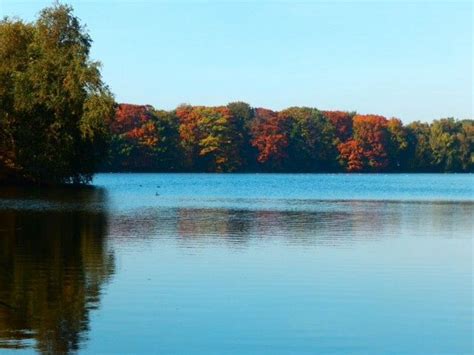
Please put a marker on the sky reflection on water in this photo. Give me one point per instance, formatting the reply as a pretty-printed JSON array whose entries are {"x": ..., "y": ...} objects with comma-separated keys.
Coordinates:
[{"x": 115, "y": 269}]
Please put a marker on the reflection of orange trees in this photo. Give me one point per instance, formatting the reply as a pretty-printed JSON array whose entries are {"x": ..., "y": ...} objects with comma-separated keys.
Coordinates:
[
  {"x": 53, "y": 265},
  {"x": 336, "y": 223},
  {"x": 215, "y": 223},
  {"x": 197, "y": 226}
]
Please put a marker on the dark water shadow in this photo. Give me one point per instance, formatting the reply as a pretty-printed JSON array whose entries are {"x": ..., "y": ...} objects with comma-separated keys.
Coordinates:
[
  {"x": 62, "y": 198},
  {"x": 54, "y": 262}
]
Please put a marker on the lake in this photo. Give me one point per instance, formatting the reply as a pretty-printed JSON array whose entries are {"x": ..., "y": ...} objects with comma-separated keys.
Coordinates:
[{"x": 239, "y": 264}]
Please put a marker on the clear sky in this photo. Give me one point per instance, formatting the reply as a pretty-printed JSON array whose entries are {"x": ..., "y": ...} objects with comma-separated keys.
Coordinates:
[{"x": 412, "y": 60}]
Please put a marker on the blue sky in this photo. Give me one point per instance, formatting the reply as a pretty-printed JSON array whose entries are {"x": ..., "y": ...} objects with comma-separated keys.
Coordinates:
[{"x": 411, "y": 60}]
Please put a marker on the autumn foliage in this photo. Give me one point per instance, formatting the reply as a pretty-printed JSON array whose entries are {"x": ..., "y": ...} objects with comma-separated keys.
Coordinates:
[
  {"x": 270, "y": 137},
  {"x": 368, "y": 148},
  {"x": 351, "y": 155},
  {"x": 208, "y": 137},
  {"x": 342, "y": 122},
  {"x": 142, "y": 139},
  {"x": 238, "y": 138}
]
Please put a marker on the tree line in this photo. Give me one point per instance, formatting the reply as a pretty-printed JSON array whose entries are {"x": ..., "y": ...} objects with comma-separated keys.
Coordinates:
[
  {"x": 59, "y": 123},
  {"x": 240, "y": 138}
]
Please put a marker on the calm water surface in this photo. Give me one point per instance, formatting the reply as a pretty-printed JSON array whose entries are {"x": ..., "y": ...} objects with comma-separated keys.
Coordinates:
[{"x": 246, "y": 264}]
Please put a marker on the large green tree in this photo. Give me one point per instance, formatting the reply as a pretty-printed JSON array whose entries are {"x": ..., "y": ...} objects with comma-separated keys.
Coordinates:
[
  {"x": 54, "y": 107},
  {"x": 311, "y": 145}
]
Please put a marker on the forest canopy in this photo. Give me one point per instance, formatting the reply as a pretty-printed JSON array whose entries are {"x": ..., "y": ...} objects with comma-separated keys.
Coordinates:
[
  {"x": 239, "y": 138},
  {"x": 59, "y": 123}
]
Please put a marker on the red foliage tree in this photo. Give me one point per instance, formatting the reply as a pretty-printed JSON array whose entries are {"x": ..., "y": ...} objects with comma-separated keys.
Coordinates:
[
  {"x": 370, "y": 131},
  {"x": 342, "y": 122},
  {"x": 135, "y": 136},
  {"x": 270, "y": 137},
  {"x": 129, "y": 117},
  {"x": 135, "y": 123}
]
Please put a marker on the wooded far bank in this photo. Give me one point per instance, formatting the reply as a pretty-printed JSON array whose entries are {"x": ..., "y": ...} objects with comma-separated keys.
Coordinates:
[
  {"x": 239, "y": 138},
  {"x": 59, "y": 123}
]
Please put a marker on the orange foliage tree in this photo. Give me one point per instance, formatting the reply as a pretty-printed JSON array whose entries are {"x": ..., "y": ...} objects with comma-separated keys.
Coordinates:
[
  {"x": 367, "y": 150},
  {"x": 351, "y": 155},
  {"x": 209, "y": 138}
]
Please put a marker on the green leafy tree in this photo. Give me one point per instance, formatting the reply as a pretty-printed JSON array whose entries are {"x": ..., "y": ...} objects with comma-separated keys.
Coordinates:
[
  {"x": 421, "y": 154},
  {"x": 311, "y": 140},
  {"x": 54, "y": 106},
  {"x": 243, "y": 116},
  {"x": 169, "y": 150},
  {"x": 450, "y": 145},
  {"x": 466, "y": 150},
  {"x": 399, "y": 147}
]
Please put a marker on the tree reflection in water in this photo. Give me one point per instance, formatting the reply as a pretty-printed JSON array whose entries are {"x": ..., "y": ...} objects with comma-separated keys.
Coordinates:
[{"x": 53, "y": 264}]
